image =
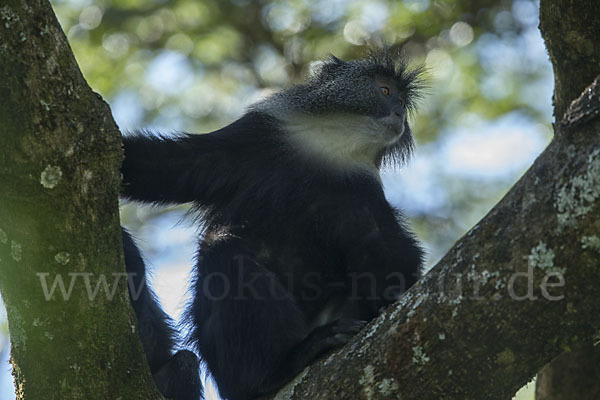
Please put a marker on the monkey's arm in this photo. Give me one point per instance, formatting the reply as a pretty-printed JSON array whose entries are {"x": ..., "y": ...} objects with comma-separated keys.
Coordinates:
[
  {"x": 162, "y": 170},
  {"x": 383, "y": 259},
  {"x": 206, "y": 168}
]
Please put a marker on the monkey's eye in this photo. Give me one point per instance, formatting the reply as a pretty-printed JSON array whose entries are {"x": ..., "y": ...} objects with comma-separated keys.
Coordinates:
[{"x": 385, "y": 90}]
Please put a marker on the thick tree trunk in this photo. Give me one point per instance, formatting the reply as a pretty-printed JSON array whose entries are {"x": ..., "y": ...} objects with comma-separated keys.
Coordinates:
[
  {"x": 571, "y": 30},
  {"x": 59, "y": 177}
]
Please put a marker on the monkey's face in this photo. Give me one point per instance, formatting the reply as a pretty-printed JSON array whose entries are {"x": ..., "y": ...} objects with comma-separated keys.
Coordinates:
[
  {"x": 351, "y": 112},
  {"x": 390, "y": 108}
]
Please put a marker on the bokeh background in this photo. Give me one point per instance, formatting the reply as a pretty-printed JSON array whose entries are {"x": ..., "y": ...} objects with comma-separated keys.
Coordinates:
[{"x": 189, "y": 65}]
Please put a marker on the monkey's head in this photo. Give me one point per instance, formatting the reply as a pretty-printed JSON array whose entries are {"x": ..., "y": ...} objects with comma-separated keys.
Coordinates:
[{"x": 352, "y": 111}]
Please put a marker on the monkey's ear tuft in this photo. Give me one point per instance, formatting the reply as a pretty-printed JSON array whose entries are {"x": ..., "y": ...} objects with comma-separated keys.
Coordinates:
[
  {"x": 315, "y": 68},
  {"x": 325, "y": 67},
  {"x": 334, "y": 60}
]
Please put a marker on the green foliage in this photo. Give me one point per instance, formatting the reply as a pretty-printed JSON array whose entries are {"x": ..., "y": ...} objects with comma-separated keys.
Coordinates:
[
  {"x": 235, "y": 48},
  {"x": 195, "y": 65}
]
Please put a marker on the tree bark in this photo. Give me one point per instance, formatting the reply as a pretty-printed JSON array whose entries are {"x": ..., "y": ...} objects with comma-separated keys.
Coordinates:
[
  {"x": 571, "y": 30},
  {"x": 59, "y": 174}
]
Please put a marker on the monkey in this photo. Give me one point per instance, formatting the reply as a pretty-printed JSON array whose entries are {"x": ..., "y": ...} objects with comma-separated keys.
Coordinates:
[
  {"x": 176, "y": 375},
  {"x": 299, "y": 246}
]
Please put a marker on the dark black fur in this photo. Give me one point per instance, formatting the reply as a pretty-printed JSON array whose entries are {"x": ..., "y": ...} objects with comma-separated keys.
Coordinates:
[
  {"x": 176, "y": 375},
  {"x": 300, "y": 246},
  {"x": 295, "y": 253}
]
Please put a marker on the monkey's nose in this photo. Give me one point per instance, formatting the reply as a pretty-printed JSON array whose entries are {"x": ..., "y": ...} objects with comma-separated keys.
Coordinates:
[{"x": 398, "y": 111}]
